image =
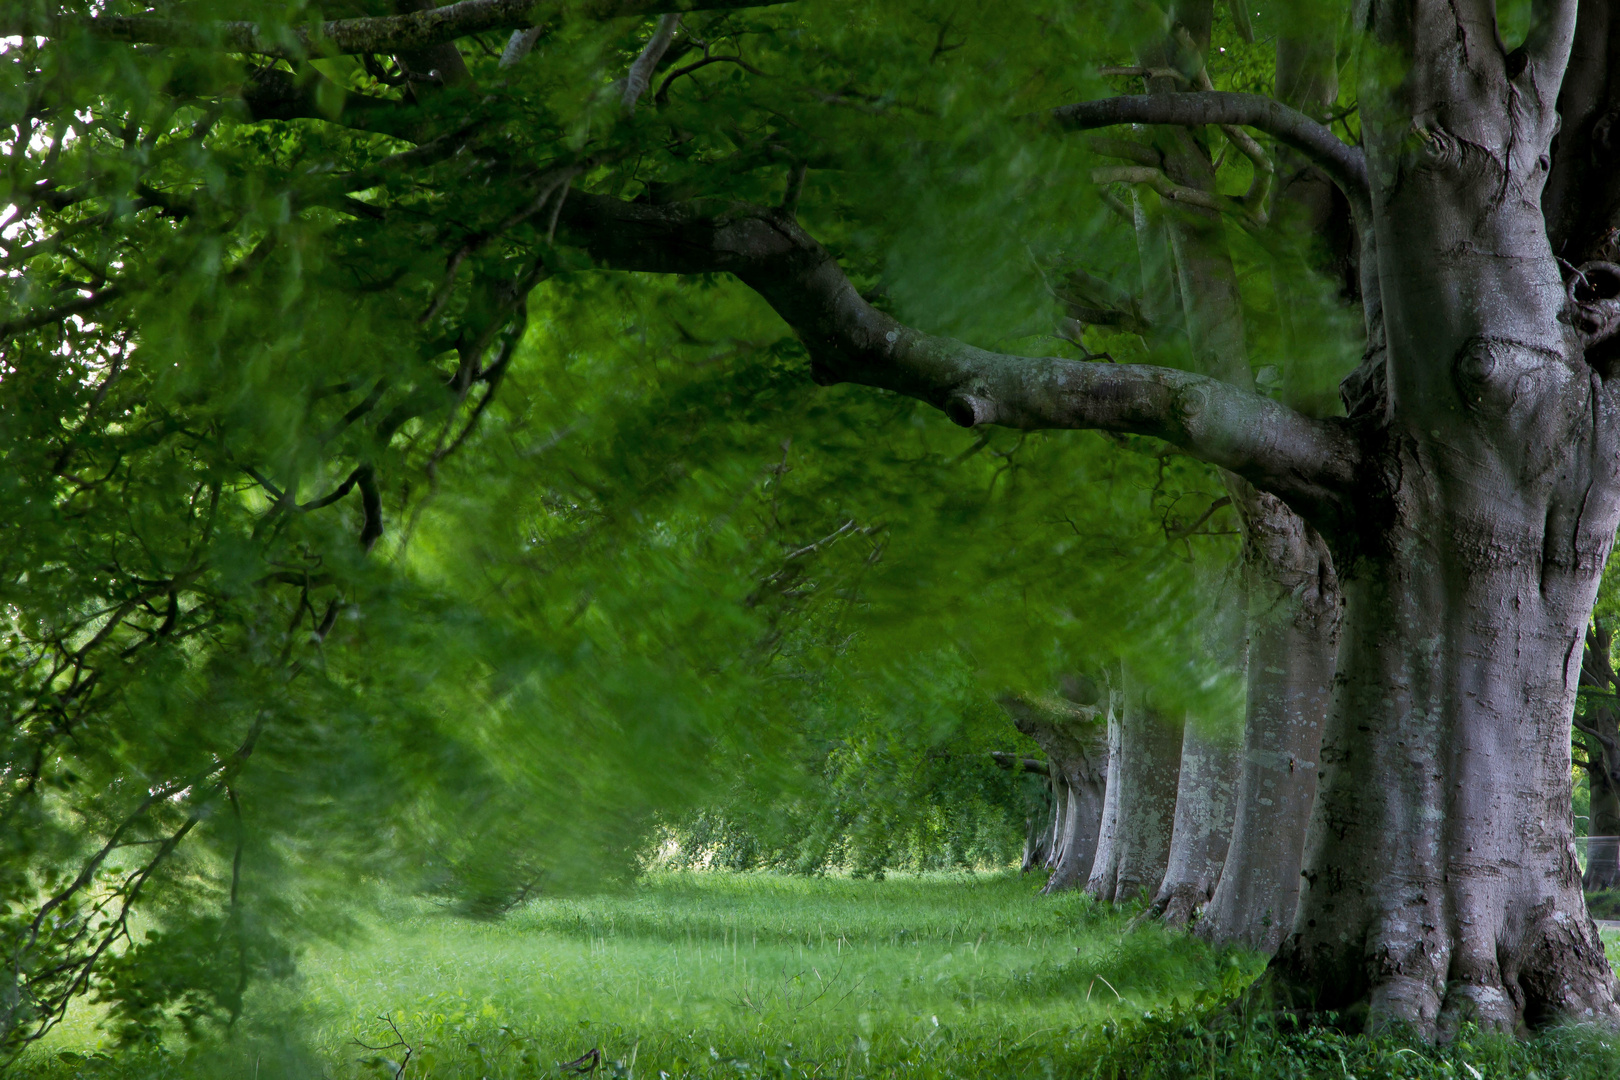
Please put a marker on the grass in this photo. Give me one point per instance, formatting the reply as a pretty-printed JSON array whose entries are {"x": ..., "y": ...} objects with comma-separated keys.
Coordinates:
[{"x": 765, "y": 977}]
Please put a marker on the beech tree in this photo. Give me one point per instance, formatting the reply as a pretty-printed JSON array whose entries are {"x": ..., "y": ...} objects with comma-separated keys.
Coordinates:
[{"x": 1462, "y": 501}]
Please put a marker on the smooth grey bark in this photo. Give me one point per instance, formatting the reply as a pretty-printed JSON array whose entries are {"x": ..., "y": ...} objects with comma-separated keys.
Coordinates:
[
  {"x": 1293, "y": 622},
  {"x": 1141, "y": 795},
  {"x": 1105, "y": 864},
  {"x": 1075, "y": 741},
  {"x": 1202, "y": 829}
]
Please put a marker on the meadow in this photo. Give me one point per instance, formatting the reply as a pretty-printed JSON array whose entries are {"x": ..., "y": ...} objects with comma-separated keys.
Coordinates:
[{"x": 770, "y": 977}]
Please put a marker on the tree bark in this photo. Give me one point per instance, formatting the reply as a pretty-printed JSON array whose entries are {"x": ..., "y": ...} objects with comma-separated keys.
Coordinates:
[
  {"x": 1440, "y": 875},
  {"x": 1075, "y": 740},
  {"x": 1106, "y": 861},
  {"x": 1202, "y": 830},
  {"x": 1141, "y": 796},
  {"x": 1293, "y": 621}
]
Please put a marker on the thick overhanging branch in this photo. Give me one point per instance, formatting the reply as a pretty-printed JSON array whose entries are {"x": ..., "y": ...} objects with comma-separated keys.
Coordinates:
[
  {"x": 1343, "y": 163},
  {"x": 1307, "y": 462},
  {"x": 380, "y": 34}
]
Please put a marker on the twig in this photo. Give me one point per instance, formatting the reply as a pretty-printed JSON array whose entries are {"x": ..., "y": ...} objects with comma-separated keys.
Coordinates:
[{"x": 399, "y": 1041}]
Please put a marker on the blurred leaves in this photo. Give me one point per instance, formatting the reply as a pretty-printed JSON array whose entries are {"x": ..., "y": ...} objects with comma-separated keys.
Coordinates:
[{"x": 356, "y": 534}]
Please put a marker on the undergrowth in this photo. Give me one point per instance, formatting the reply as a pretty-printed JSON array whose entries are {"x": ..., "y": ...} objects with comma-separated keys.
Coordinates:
[{"x": 765, "y": 977}]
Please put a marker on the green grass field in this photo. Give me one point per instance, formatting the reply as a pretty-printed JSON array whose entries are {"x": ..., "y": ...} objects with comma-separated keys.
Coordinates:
[
  {"x": 749, "y": 977},
  {"x": 764, "y": 973}
]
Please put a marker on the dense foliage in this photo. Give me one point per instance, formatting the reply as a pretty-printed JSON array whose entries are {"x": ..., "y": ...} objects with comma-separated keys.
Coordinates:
[{"x": 354, "y": 530}]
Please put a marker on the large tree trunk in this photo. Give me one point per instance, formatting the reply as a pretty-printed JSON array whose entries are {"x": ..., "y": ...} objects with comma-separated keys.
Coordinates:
[
  {"x": 1293, "y": 640},
  {"x": 1075, "y": 740},
  {"x": 1141, "y": 798},
  {"x": 1440, "y": 876},
  {"x": 1203, "y": 822},
  {"x": 1440, "y": 868},
  {"x": 1106, "y": 860}
]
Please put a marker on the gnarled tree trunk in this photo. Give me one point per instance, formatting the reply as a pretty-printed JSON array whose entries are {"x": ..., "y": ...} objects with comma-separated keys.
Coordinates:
[{"x": 1441, "y": 881}]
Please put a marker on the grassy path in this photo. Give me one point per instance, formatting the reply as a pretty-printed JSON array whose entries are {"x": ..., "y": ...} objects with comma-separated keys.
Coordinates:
[
  {"x": 786, "y": 976},
  {"x": 763, "y": 977}
]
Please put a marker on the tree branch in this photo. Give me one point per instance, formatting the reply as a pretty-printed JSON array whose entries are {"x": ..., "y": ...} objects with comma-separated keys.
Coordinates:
[
  {"x": 1307, "y": 462},
  {"x": 1552, "y": 32},
  {"x": 635, "y": 83},
  {"x": 380, "y": 34},
  {"x": 1020, "y": 763},
  {"x": 35, "y": 319},
  {"x": 1344, "y": 163}
]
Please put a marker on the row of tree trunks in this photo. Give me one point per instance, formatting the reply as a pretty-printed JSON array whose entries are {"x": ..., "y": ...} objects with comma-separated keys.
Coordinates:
[
  {"x": 1439, "y": 880},
  {"x": 1075, "y": 740},
  {"x": 1292, "y": 592},
  {"x": 1144, "y": 766},
  {"x": 1239, "y": 853}
]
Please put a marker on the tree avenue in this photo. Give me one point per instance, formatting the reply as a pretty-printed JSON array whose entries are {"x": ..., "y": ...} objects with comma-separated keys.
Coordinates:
[{"x": 361, "y": 198}]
